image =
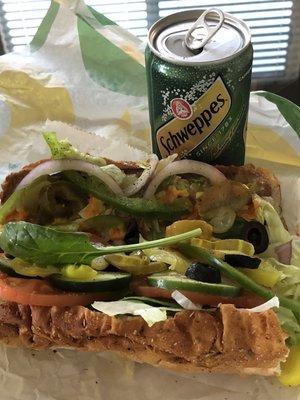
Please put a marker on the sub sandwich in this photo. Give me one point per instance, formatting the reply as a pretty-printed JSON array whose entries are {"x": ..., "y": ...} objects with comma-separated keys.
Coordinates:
[{"x": 178, "y": 264}]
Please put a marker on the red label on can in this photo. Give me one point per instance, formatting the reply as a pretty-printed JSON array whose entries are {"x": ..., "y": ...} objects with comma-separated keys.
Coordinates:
[{"x": 181, "y": 109}]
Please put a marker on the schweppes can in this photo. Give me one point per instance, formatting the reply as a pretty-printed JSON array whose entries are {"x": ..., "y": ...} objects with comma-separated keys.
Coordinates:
[{"x": 199, "y": 71}]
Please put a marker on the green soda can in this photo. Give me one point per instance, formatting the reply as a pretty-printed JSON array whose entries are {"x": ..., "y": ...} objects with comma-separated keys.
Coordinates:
[{"x": 198, "y": 67}]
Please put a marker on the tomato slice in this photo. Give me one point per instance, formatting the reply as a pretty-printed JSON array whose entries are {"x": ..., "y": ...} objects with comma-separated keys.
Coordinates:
[
  {"x": 247, "y": 300},
  {"x": 38, "y": 292}
]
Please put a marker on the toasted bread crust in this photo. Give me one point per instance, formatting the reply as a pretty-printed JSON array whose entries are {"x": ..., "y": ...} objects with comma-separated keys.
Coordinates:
[{"x": 227, "y": 340}]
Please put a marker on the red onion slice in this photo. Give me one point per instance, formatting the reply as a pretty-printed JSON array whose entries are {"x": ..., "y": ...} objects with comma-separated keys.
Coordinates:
[
  {"x": 284, "y": 253},
  {"x": 141, "y": 181},
  {"x": 164, "y": 162},
  {"x": 185, "y": 167},
  {"x": 55, "y": 166}
]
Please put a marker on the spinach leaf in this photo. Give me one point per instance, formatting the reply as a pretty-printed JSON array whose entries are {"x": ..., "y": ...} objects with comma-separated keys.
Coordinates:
[{"x": 46, "y": 246}]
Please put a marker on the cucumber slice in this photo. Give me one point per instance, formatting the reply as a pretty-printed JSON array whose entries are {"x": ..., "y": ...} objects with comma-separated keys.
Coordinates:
[
  {"x": 5, "y": 266},
  {"x": 102, "y": 282},
  {"x": 174, "y": 281}
]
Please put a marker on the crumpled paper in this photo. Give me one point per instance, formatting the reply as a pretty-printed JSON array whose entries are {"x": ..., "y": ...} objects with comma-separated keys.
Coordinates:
[
  {"x": 67, "y": 374},
  {"x": 36, "y": 89}
]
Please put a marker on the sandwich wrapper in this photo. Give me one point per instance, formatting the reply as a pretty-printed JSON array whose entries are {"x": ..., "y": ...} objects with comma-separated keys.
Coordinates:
[{"x": 82, "y": 70}]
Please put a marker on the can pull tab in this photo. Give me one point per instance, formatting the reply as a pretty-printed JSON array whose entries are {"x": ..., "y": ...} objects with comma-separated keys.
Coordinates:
[{"x": 204, "y": 32}]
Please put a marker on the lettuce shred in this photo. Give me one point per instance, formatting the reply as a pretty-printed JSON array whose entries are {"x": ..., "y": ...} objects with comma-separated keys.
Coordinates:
[
  {"x": 290, "y": 323},
  {"x": 149, "y": 313},
  {"x": 61, "y": 149},
  {"x": 266, "y": 214},
  {"x": 289, "y": 282}
]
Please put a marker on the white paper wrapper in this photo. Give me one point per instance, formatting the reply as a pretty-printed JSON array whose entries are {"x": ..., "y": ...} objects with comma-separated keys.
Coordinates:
[
  {"x": 28, "y": 107},
  {"x": 65, "y": 374}
]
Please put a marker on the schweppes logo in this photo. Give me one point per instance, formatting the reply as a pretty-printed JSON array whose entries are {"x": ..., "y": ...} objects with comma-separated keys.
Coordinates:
[{"x": 188, "y": 129}]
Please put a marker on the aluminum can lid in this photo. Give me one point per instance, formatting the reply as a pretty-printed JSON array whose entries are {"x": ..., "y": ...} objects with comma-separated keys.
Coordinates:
[{"x": 198, "y": 36}]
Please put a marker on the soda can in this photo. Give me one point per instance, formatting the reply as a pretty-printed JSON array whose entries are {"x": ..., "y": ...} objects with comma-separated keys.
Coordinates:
[{"x": 198, "y": 66}]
